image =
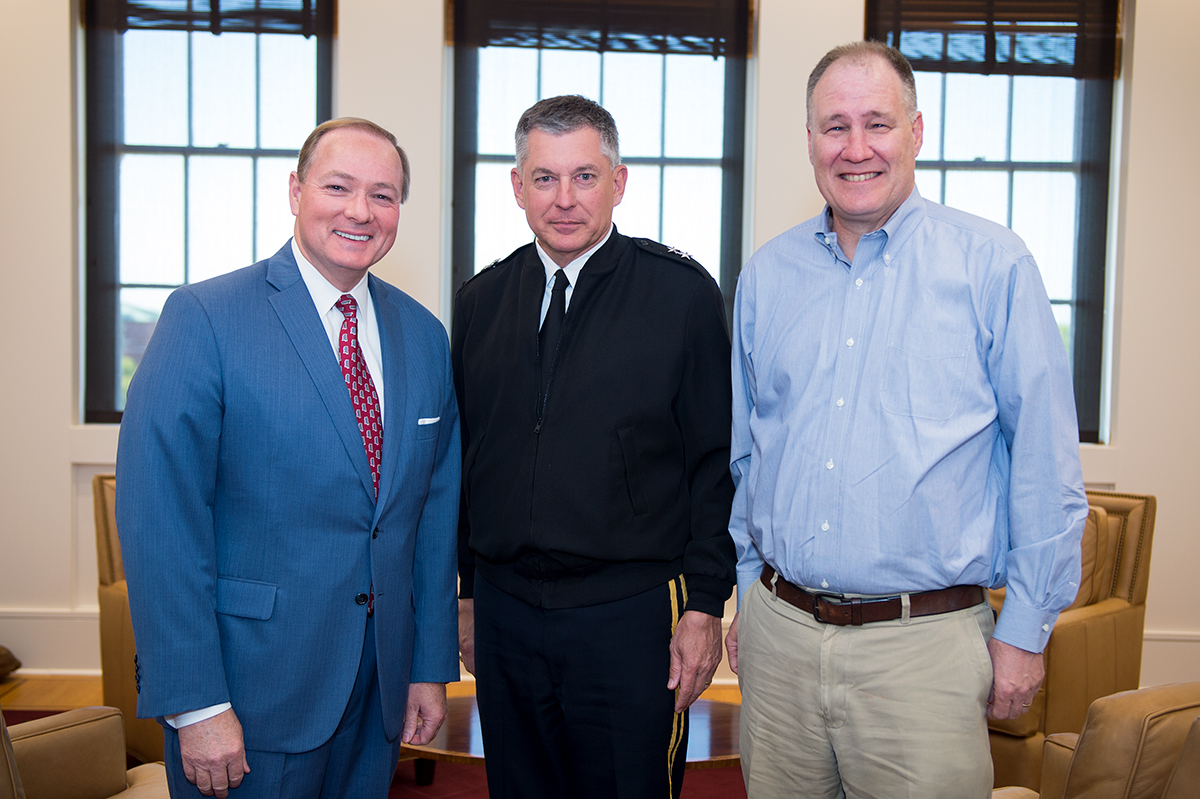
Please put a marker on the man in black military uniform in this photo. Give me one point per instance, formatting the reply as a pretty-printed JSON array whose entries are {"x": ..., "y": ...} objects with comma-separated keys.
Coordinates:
[{"x": 592, "y": 373}]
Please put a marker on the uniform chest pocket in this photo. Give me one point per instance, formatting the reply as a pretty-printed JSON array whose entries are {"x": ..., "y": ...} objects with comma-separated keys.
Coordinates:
[{"x": 924, "y": 373}]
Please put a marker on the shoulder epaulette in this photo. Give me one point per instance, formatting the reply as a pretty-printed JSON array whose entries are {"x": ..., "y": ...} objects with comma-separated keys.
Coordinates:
[
  {"x": 494, "y": 264},
  {"x": 670, "y": 253}
]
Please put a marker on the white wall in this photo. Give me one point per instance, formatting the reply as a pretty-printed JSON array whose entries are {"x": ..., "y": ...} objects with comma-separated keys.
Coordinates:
[{"x": 391, "y": 67}]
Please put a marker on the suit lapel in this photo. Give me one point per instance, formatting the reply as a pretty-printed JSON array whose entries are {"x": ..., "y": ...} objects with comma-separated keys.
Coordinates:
[
  {"x": 395, "y": 373},
  {"x": 294, "y": 306}
]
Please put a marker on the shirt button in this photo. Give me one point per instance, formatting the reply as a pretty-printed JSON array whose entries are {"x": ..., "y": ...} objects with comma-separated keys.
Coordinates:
[
  {"x": 1045, "y": 628},
  {"x": 827, "y": 240},
  {"x": 825, "y": 526},
  {"x": 829, "y": 465},
  {"x": 887, "y": 257},
  {"x": 858, "y": 282},
  {"x": 849, "y": 342},
  {"x": 841, "y": 402},
  {"x": 824, "y": 583},
  {"x": 361, "y": 599}
]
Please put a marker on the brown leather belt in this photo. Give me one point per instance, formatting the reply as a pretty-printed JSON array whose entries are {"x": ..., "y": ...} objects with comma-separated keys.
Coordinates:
[{"x": 836, "y": 609}]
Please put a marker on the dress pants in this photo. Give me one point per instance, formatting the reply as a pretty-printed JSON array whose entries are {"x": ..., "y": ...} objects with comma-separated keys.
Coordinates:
[
  {"x": 574, "y": 702},
  {"x": 357, "y": 761},
  {"x": 887, "y": 710}
]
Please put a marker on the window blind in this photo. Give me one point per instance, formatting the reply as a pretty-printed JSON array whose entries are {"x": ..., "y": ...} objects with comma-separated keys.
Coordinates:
[
  {"x": 713, "y": 27},
  {"x": 303, "y": 17},
  {"x": 1069, "y": 38}
]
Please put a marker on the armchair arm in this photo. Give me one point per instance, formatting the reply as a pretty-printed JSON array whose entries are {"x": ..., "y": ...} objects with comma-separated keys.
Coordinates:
[
  {"x": 79, "y": 754},
  {"x": 1057, "y": 751},
  {"x": 146, "y": 782},
  {"x": 1014, "y": 793}
]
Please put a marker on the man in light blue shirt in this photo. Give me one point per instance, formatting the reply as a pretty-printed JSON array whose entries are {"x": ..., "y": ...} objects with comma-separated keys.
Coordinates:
[{"x": 904, "y": 435}]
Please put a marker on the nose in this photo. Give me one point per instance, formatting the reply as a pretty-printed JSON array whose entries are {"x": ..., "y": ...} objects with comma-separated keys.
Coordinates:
[
  {"x": 565, "y": 196},
  {"x": 857, "y": 148},
  {"x": 357, "y": 208}
]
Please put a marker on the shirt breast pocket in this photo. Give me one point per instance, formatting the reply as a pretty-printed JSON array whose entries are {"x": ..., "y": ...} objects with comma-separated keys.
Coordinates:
[{"x": 924, "y": 372}]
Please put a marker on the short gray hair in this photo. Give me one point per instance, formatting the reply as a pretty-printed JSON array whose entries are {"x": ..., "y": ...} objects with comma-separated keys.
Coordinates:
[
  {"x": 566, "y": 114},
  {"x": 861, "y": 52}
]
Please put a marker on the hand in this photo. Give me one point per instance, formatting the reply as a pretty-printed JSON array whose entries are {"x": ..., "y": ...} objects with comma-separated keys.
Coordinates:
[
  {"x": 731, "y": 644},
  {"x": 695, "y": 653},
  {"x": 1017, "y": 675},
  {"x": 213, "y": 754},
  {"x": 425, "y": 712},
  {"x": 466, "y": 633}
]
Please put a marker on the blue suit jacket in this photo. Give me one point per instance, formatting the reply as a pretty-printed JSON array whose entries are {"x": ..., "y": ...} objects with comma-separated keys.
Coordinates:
[{"x": 247, "y": 518}]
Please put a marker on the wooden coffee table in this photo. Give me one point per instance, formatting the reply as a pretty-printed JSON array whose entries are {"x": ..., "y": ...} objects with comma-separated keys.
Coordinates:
[{"x": 712, "y": 737}]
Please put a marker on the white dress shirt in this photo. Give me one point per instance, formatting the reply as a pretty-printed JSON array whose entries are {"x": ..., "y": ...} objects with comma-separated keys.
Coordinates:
[{"x": 572, "y": 269}]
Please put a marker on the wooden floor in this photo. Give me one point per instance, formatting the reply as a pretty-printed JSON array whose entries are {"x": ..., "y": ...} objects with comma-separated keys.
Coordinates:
[{"x": 50, "y": 692}]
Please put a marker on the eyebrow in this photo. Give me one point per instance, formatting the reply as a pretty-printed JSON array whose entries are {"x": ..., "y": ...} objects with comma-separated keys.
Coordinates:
[
  {"x": 841, "y": 116},
  {"x": 541, "y": 170},
  {"x": 346, "y": 177}
]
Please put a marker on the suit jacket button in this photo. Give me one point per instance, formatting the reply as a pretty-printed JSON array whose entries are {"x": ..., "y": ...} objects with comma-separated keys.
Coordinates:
[
  {"x": 374, "y": 534},
  {"x": 361, "y": 599}
]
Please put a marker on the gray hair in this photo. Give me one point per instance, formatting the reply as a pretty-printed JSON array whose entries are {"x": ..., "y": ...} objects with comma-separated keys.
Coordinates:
[
  {"x": 862, "y": 52},
  {"x": 566, "y": 114}
]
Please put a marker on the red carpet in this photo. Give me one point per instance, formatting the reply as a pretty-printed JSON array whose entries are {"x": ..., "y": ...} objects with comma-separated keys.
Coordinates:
[
  {"x": 12, "y": 717},
  {"x": 454, "y": 781}
]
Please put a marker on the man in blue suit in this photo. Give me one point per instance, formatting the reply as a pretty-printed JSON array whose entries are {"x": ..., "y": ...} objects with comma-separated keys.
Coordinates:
[{"x": 290, "y": 559}]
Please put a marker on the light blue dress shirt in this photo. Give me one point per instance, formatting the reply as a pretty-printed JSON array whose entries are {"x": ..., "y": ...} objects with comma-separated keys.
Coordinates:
[{"x": 905, "y": 422}]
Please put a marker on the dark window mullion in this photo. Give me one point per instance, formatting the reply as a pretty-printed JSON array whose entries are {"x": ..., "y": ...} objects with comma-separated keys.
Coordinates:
[{"x": 233, "y": 152}]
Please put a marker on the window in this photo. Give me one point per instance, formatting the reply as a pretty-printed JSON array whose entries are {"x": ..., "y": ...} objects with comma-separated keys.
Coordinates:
[
  {"x": 672, "y": 74},
  {"x": 195, "y": 113},
  {"x": 1017, "y": 102}
]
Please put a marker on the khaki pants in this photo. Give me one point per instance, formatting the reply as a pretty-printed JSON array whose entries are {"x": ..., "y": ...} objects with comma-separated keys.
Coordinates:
[{"x": 887, "y": 710}]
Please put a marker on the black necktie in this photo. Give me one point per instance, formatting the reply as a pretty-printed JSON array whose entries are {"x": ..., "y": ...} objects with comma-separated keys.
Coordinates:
[{"x": 552, "y": 328}]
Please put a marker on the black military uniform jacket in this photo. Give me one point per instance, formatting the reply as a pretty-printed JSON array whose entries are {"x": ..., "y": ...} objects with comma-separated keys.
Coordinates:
[{"x": 624, "y": 483}]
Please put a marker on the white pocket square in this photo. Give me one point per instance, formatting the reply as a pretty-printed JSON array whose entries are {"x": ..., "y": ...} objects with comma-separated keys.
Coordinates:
[{"x": 428, "y": 420}]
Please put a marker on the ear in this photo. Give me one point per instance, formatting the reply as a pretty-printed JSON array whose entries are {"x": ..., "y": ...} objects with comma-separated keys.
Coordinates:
[
  {"x": 808, "y": 130},
  {"x": 918, "y": 128},
  {"x": 620, "y": 175},
  {"x": 518, "y": 185},
  {"x": 294, "y": 193}
]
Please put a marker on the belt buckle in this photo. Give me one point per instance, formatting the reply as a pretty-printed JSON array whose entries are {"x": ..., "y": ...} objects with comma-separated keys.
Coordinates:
[{"x": 817, "y": 597}]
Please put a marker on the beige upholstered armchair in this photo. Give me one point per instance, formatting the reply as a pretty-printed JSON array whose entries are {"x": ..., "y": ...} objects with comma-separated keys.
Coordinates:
[
  {"x": 144, "y": 737},
  {"x": 79, "y": 754},
  {"x": 1134, "y": 745},
  {"x": 1096, "y": 647}
]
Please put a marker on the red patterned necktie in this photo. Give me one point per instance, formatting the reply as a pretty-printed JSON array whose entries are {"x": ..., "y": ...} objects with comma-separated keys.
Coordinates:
[{"x": 362, "y": 388}]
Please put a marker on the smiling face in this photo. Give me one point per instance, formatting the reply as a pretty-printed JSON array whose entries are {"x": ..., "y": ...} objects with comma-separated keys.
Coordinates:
[
  {"x": 568, "y": 189},
  {"x": 862, "y": 145},
  {"x": 348, "y": 207}
]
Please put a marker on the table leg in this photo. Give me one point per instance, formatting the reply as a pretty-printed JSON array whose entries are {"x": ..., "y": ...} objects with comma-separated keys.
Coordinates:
[{"x": 424, "y": 769}]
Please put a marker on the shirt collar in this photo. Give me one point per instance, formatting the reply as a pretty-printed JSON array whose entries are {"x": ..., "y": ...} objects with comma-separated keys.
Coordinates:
[
  {"x": 324, "y": 293},
  {"x": 576, "y": 266},
  {"x": 895, "y": 229}
]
